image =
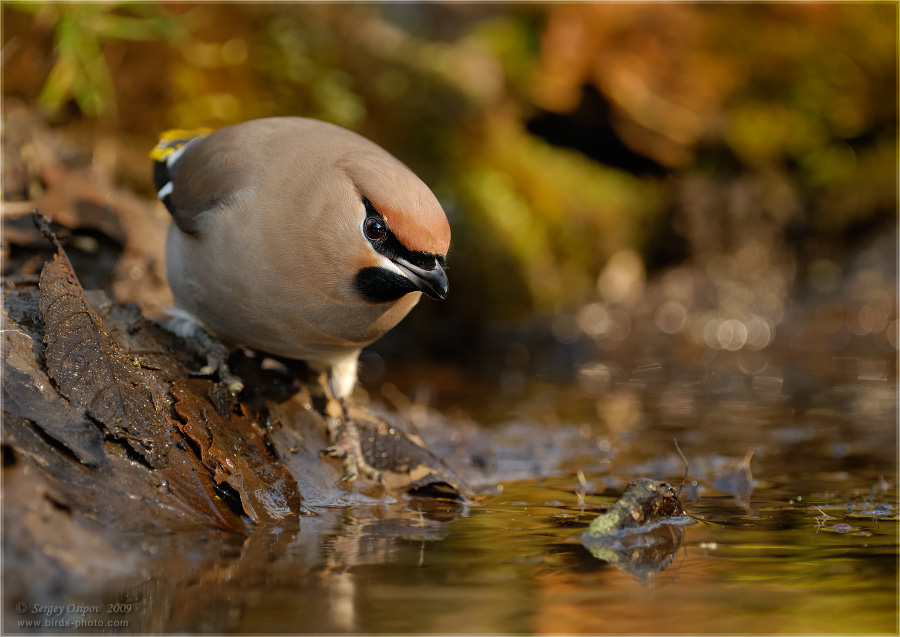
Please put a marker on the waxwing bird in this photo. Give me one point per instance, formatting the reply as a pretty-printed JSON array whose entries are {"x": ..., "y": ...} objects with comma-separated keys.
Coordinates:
[{"x": 300, "y": 239}]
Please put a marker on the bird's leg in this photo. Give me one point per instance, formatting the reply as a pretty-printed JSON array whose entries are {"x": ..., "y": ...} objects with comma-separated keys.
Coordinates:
[
  {"x": 346, "y": 445},
  {"x": 217, "y": 362},
  {"x": 212, "y": 349},
  {"x": 345, "y": 441}
]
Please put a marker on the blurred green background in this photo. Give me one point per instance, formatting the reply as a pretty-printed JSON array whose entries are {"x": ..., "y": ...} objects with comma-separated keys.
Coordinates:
[{"x": 581, "y": 151}]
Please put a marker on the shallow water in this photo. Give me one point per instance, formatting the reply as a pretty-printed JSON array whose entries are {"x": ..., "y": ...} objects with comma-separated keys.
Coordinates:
[
  {"x": 513, "y": 564},
  {"x": 778, "y": 544}
]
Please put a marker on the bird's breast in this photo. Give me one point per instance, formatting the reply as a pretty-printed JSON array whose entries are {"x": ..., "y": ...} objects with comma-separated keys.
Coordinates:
[{"x": 282, "y": 306}]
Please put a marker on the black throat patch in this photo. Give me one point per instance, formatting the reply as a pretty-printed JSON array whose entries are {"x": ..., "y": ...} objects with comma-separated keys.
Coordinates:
[{"x": 380, "y": 285}]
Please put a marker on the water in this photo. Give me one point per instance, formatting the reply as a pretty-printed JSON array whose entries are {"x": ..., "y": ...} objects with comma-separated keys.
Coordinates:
[
  {"x": 513, "y": 564},
  {"x": 792, "y": 494},
  {"x": 779, "y": 543}
]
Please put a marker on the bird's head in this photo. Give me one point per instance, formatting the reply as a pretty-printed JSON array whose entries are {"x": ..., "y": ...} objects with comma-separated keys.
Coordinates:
[{"x": 401, "y": 229}]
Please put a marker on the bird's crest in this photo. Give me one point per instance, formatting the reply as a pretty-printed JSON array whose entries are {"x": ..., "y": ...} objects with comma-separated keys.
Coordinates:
[{"x": 173, "y": 140}]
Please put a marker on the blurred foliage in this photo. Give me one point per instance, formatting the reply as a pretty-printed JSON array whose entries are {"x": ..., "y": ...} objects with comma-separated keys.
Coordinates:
[
  {"x": 80, "y": 71},
  {"x": 763, "y": 122}
]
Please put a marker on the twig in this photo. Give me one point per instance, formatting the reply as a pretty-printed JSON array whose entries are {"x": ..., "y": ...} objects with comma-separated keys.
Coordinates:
[{"x": 686, "y": 466}]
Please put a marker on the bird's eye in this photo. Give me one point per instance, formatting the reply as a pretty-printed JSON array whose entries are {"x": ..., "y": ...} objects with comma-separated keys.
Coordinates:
[{"x": 374, "y": 228}]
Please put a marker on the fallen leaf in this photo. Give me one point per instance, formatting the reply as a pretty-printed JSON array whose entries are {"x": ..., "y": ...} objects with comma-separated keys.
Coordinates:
[
  {"x": 404, "y": 462},
  {"x": 189, "y": 481},
  {"x": 233, "y": 449},
  {"x": 91, "y": 370},
  {"x": 28, "y": 393}
]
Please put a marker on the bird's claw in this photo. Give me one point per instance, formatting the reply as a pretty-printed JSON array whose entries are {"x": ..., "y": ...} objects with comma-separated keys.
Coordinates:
[
  {"x": 347, "y": 448},
  {"x": 234, "y": 384},
  {"x": 217, "y": 361},
  {"x": 214, "y": 351},
  {"x": 348, "y": 464},
  {"x": 333, "y": 452}
]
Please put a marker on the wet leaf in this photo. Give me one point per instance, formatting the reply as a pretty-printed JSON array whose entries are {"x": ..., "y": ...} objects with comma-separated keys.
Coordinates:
[
  {"x": 233, "y": 449},
  {"x": 28, "y": 392},
  {"x": 297, "y": 433},
  {"x": 91, "y": 370},
  {"x": 182, "y": 488},
  {"x": 185, "y": 477},
  {"x": 404, "y": 462},
  {"x": 121, "y": 495}
]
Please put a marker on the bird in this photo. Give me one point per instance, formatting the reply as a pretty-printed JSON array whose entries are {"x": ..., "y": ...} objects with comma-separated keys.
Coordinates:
[{"x": 300, "y": 239}]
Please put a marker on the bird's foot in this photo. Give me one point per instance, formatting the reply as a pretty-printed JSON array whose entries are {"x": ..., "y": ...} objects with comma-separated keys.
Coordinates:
[
  {"x": 346, "y": 445},
  {"x": 217, "y": 363},
  {"x": 204, "y": 344}
]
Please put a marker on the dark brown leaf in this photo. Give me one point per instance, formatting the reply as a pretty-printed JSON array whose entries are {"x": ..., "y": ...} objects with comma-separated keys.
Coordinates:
[
  {"x": 404, "y": 462},
  {"x": 131, "y": 495},
  {"x": 27, "y": 392},
  {"x": 233, "y": 449},
  {"x": 188, "y": 480},
  {"x": 90, "y": 369},
  {"x": 123, "y": 495}
]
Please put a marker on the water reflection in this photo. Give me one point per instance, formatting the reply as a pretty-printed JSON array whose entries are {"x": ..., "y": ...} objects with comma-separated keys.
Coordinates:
[
  {"x": 639, "y": 532},
  {"x": 279, "y": 579},
  {"x": 514, "y": 561},
  {"x": 642, "y": 554}
]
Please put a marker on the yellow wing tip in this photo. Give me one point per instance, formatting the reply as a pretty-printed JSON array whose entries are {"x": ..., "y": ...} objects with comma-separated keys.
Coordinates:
[{"x": 172, "y": 140}]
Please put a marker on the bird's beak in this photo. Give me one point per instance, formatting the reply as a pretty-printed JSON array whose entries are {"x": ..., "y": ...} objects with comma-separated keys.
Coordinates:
[{"x": 432, "y": 282}]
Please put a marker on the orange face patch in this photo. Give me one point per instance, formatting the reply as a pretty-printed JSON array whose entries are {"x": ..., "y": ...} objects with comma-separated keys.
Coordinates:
[
  {"x": 425, "y": 230},
  {"x": 409, "y": 208}
]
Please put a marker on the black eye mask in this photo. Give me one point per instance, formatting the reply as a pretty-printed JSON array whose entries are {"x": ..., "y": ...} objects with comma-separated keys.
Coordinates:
[{"x": 380, "y": 285}]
